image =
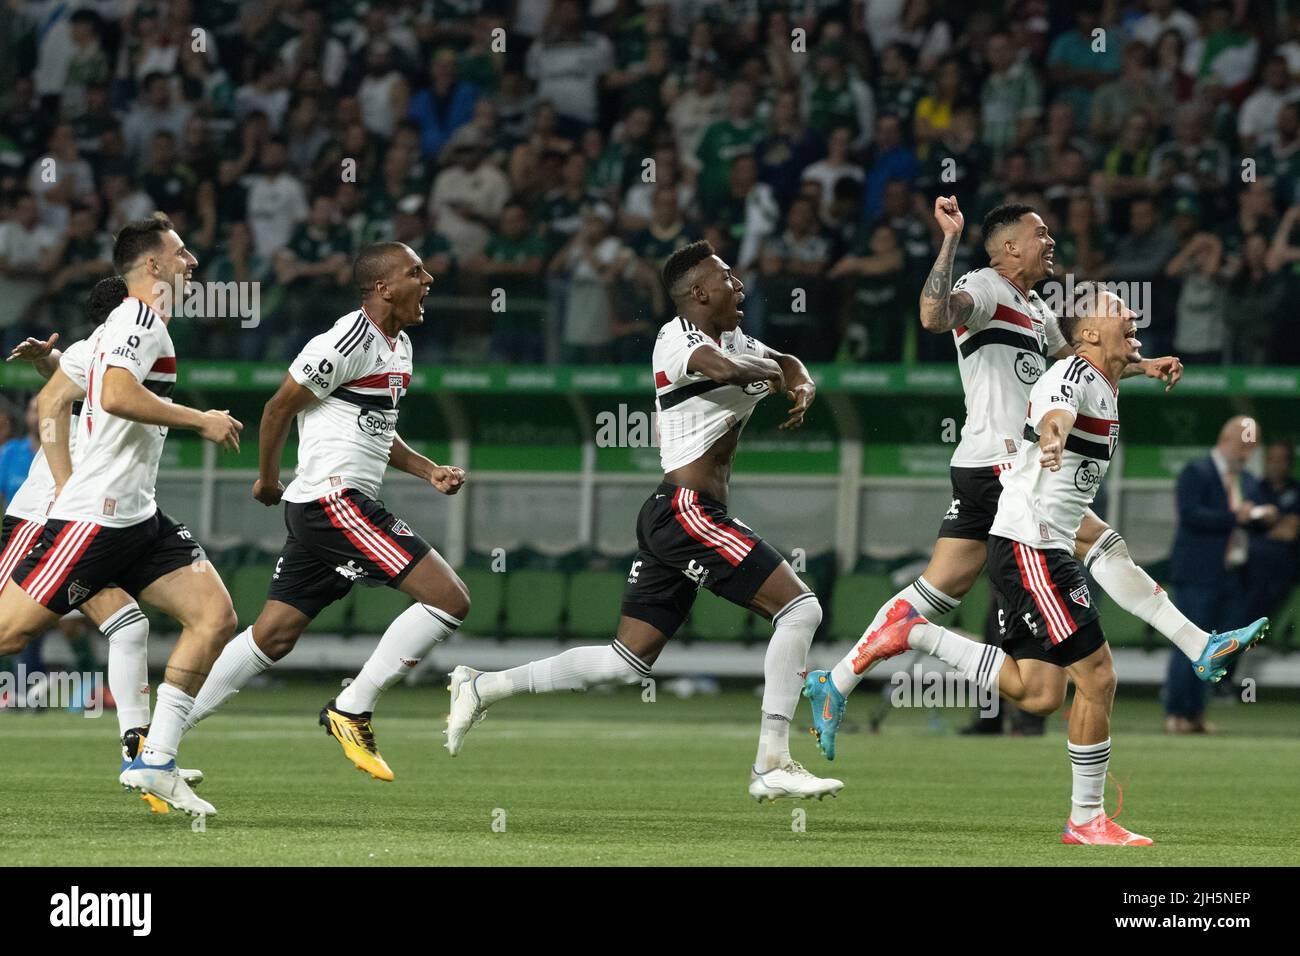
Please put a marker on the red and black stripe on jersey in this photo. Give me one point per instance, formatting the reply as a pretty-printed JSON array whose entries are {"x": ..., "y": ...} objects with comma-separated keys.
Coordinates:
[
  {"x": 694, "y": 336},
  {"x": 374, "y": 391},
  {"x": 1022, "y": 336}
]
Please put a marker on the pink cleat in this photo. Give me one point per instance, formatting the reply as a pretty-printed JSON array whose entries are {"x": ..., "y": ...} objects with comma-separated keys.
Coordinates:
[
  {"x": 1102, "y": 831},
  {"x": 888, "y": 640}
]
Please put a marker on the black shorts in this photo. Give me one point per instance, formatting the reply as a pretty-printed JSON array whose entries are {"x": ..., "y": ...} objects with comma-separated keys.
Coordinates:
[
  {"x": 687, "y": 541},
  {"x": 336, "y": 541},
  {"x": 74, "y": 560},
  {"x": 17, "y": 537},
  {"x": 1046, "y": 610},
  {"x": 975, "y": 493}
]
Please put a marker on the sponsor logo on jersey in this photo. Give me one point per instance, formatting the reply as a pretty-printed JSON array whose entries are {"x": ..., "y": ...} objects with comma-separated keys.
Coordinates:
[
  {"x": 696, "y": 572},
  {"x": 953, "y": 509},
  {"x": 110, "y": 506},
  {"x": 1029, "y": 619},
  {"x": 634, "y": 573},
  {"x": 77, "y": 592},
  {"x": 400, "y": 527},
  {"x": 757, "y": 388},
  {"x": 365, "y": 346},
  {"x": 1080, "y": 596},
  {"x": 1088, "y": 475},
  {"x": 374, "y": 423},
  {"x": 1029, "y": 367},
  {"x": 350, "y": 571}
]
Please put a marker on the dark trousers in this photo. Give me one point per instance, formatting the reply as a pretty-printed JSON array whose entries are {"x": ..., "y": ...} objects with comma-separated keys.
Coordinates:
[{"x": 1219, "y": 606}]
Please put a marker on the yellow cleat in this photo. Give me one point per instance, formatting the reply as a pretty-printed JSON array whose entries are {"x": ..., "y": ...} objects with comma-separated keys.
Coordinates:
[
  {"x": 357, "y": 738},
  {"x": 155, "y": 805}
]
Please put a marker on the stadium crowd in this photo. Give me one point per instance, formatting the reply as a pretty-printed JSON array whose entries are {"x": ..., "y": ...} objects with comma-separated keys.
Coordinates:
[{"x": 546, "y": 156}]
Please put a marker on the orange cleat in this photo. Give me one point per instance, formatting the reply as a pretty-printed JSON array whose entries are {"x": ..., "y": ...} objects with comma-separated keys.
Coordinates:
[
  {"x": 1102, "y": 831},
  {"x": 888, "y": 640}
]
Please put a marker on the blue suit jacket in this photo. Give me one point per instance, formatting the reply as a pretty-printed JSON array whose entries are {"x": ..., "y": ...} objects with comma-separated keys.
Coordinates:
[{"x": 1204, "y": 522}]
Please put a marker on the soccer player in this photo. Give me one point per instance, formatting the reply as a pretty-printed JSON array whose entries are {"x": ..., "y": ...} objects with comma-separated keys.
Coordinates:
[
  {"x": 1049, "y": 624},
  {"x": 344, "y": 388},
  {"x": 1005, "y": 334},
  {"x": 116, "y": 615},
  {"x": 105, "y": 526},
  {"x": 709, "y": 375}
]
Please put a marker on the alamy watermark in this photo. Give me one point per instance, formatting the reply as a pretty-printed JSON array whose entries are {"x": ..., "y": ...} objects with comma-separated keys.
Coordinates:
[
  {"x": 60, "y": 690},
  {"x": 1082, "y": 298},
  {"x": 934, "y": 689},
  {"x": 211, "y": 300}
]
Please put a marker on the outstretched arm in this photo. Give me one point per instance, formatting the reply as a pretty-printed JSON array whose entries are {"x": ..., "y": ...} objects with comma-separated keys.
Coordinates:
[
  {"x": 941, "y": 309},
  {"x": 1052, "y": 429},
  {"x": 278, "y": 414},
  {"x": 43, "y": 356}
]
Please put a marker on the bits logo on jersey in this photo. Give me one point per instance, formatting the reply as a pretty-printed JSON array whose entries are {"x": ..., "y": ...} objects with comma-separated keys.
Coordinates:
[
  {"x": 1080, "y": 596},
  {"x": 1088, "y": 475},
  {"x": 1067, "y": 394},
  {"x": 1029, "y": 367},
  {"x": 696, "y": 572}
]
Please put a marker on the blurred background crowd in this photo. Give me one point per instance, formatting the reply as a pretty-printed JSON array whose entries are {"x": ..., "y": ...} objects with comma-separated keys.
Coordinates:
[{"x": 545, "y": 156}]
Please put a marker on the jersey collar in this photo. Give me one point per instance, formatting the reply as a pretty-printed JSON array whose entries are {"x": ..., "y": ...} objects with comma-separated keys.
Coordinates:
[
  {"x": 1114, "y": 387},
  {"x": 392, "y": 343},
  {"x": 1016, "y": 286}
]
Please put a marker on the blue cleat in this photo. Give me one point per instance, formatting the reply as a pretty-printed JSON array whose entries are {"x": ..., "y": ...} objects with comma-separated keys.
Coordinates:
[
  {"x": 827, "y": 710},
  {"x": 1225, "y": 648}
]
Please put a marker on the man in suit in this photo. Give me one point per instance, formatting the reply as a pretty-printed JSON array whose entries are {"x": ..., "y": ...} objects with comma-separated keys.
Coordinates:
[
  {"x": 1275, "y": 551},
  {"x": 1218, "y": 504}
]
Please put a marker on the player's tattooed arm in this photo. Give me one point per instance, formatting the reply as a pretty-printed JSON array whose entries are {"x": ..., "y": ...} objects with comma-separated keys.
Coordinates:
[
  {"x": 446, "y": 478},
  {"x": 736, "y": 369},
  {"x": 942, "y": 310},
  {"x": 53, "y": 413},
  {"x": 277, "y": 417},
  {"x": 43, "y": 356}
]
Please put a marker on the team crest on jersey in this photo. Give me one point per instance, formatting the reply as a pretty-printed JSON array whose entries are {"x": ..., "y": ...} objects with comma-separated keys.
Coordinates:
[
  {"x": 1113, "y": 437},
  {"x": 400, "y": 527},
  {"x": 1080, "y": 596},
  {"x": 395, "y": 386},
  {"x": 77, "y": 592}
]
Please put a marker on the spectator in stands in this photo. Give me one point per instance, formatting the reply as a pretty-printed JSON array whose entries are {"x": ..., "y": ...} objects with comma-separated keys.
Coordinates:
[
  {"x": 1141, "y": 256},
  {"x": 664, "y": 234},
  {"x": 873, "y": 271},
  {"x": 1257, "y": 293},
  {"x": 155, "y": 110},
  {"x": 18, "y": 448},
  {"x": 1048, "y": 153},
  {"x": 60, "y": 177},
  {"x": 1258, "y": 119},
  {"x": 469, "y": 194},
  {"x": 1133, "y": 91},
  {"x": 900, "y": 89},
  {"x": 1082, "y": 243},
  {"x": 726, "y": 139},
  {"x": 28, "y": 254},
  {"x": 444, "y": 106},
  {"x": 1219, "y": 503},
  {"x": 1081, "y": 60},
  {"x": 1011, "y": 98},
  {"x": 277, "y": 200},
  {"x": 315, "y": 269},
  {"x": 835, "y": 95},
  {"x": 567, "y": 63},
  {"x": 933, "y": 115},
  {"x": 1193, "y": 164},
  {"x": 747, "y": 212},
  {"x": 1199, "y": 337},
  {"x": 237, "y": 260},
  {"x": 794, "y": 265},
  {"x": 1161, "y": 17},
  {"x": 695, "y": 109},
  {"x": 892, "y": 160},
  {"x": 836, "y": 166},
  {"x": 168, "y": 181},
  {"x": 564, "y": 206},
  {"x": 638, "y": 202},
  {"x": 84, "y": 257},
  {"x": 1273, "y": 567},
  {"x": 512, "y": 261},
  {"x": 594, "y": 261},
  {"x": 787, "y": 149}
]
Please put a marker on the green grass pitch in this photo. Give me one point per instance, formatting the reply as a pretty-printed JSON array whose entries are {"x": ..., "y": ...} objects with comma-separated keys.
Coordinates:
[{"x": 604, "y": 778}]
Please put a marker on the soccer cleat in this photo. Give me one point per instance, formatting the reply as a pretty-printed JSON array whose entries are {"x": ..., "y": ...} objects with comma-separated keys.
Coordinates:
[
  {"x": 164, "y": 784},
  {"x": 790, "y": 780},
  {"x": 133, "y": 740},
  {"x": 1102, "y": 830},
  {"x": 888, "y": 640},
  {"x": 357, "y": 738},
  {"x": 467, "y": 709},
  {"x": 1225, "y": 648},
  {"x": 827, "y": 710}
]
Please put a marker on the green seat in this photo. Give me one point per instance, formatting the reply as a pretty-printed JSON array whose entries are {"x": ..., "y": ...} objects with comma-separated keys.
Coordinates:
[
  {"x": 248, "y": 586},
  {"x": 486, "y": 595},
  {"x": 594, "y": 600},
  {"x": 373, "y": 609},
  {"x": 855, "y": 601},
  {"x": 534, "y": 603},
  {"x": 974, "y": 608},
  {"x": 1121, "y": 628},
  {"x": 334, "y": 618},
  {"x": 717, "y": 619}
]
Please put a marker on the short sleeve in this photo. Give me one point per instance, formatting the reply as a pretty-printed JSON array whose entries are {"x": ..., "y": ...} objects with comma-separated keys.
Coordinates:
[
  {"x": 134, "y": 345},
  {"x": 1053, "y": 392},
  {"x": 75, "y": 363},
  {"x": 674, "y": 351},
  {"x": 332, "y": 359},
  {"x": 984, "y": 294}
]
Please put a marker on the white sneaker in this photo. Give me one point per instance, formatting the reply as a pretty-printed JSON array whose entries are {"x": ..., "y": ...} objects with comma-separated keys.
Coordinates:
[
  {"x": 167, "y": 785},
  {"x": 466, "y": 707},
  {"x": 790, "y": 780}
]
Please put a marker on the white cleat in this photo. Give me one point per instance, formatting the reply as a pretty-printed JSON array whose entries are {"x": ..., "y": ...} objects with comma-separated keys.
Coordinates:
[
  {"x": 166, "y": 784},
  {"x": 466, "y": 707},
  {"x": 192, "y": 777},
  {"x": 790, "y": 780}
]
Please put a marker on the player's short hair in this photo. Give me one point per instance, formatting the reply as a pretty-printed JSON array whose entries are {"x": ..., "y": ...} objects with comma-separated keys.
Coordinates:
[
  {"x": 1000, "y": 217},
  {"x": 138, "y": 238},
  {"x": 1088, "y": 297},
  {"x": 106, "y": 296},
  {"x": 683, "y": 261},
  {"x": 374, "y": 262}
]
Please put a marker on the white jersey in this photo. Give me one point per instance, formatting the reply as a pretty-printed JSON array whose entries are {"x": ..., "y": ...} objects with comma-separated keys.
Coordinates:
[
  {"x": 1001, "y": 351},
  {"x": 694, "y": 411},
  {"x": 1042, "y": 508},
  {"x": 359, "y": 375},
  {"x": 117, "y": 460},
  {"x": 32, "y": 500}
]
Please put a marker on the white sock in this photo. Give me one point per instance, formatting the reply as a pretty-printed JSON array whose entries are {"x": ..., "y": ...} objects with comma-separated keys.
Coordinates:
[
  {"x": 128, "y": 665},
  {"x": 784, "y": 668},
  {"x": 404, "y": 644},
  {"x": 169, "y": 715},
  {"x": 575, "y": 669},
  {"x": 1134, "y": 590},
  {"x": 239, "y": 662},
  {"x": 923, "y": 596},
  {"x": 978, "y": 663},
  {"x": 1089, "y": 762}
]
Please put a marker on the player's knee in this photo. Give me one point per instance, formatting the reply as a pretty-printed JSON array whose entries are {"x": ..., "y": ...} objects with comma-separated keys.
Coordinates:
[
  {"x": 223, "y": 623},
  {"x": 1043, "y": 703},
  {"x": 458, "y": 604},
  {"x": 804, "y": 613},
  {"x": 1100, "y": 684}
]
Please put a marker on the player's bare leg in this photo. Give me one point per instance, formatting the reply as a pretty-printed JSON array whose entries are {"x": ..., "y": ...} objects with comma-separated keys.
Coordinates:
[
  {"x": 21, "y": 619},
  {"x": 1089, "y": 748},
  {"x": 1105, "y": 554},
  {"x": 626, "y": 661},
  {"x": 196, "y": 597}
]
